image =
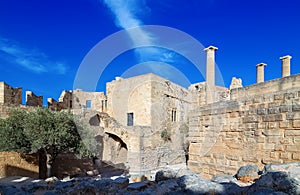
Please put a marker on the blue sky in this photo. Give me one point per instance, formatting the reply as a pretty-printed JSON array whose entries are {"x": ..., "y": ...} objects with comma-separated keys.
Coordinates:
[{"x": 43, "y": 43}]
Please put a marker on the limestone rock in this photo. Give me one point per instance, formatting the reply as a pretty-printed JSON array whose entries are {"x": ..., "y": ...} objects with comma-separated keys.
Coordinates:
[
  {"x": 164, "y": 175},
  {"x": 92, "y": 173},
  {"x": 194, "y": 184},
  {"x": 136, "y": 186},
  {"x": 172, "y": 173},
  {"x": 248, "y": 173},
  {"x": 224, "y": 178},
  {"x": 10, "y": 189},
  {"x": 236, "y": 83},
  {"x": 51, "y": 179},
  {"x": 122, "y": 182},
  {"x": 35, "y": 187},
  {"x": 287, "y": 167},
  {"x": 278, "y": 182}
]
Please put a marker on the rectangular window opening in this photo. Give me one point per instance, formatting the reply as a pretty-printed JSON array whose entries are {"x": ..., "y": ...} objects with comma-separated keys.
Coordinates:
[
  {"x": 173, "y": 115},
  {"x": 88, "y": 104},
  {"x": 129, "y": 119}
]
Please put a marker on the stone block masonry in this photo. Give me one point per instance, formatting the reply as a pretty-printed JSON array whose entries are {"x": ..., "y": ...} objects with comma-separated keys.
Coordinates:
[
  {"x": 260, "y": 124},
  {"x": 33, "y": 100},
  {"x": 16, "y": 164},
  {"x": 9, "y": 95}
]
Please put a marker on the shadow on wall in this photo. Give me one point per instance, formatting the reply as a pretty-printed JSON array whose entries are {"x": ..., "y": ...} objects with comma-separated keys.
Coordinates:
[
  {"x": 18, "y": 171},
  {"x": 108, "y": 169},
  {"x": 16, "y": 164},
  {"x": 67, "y": 164}
]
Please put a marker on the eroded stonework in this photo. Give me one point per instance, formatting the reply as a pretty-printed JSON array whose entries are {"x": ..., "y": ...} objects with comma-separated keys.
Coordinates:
[{"x": 147, "y": 122}]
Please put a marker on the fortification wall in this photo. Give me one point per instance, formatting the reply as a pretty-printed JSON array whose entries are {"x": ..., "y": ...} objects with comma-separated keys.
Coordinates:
[
  {"x": 33, "y": 100},
  {"x": 4, "y": 111},
  {"x": 89, "y": 100},
  {"x": 1, "y": 92},
  {"x": 261, "y": 125},
  {"x": 9, "y": 95},
  {"x": 16, "y": 164}
]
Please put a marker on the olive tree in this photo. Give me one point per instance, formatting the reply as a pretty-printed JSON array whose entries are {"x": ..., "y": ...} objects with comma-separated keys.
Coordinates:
[{"x": 42, "y": 131}]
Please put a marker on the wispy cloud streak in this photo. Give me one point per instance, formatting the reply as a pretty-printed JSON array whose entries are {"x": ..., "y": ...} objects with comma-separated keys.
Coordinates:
[
  {"x": 125, "y": 12},
  {"x": 31, "y": 59}
]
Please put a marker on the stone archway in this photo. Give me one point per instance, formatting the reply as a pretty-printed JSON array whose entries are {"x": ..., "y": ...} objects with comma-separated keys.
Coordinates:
[{"x": 114, "y": 149}]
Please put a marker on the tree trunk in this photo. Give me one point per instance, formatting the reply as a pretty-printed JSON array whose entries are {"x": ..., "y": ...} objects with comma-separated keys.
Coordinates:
[
  {"x": 42, "y": 165},
  {"x": 49, "y": 165},
  {"x": 45, "y": 164}
]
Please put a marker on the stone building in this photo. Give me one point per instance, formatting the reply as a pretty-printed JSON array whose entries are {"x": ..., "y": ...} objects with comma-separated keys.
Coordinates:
[
  {"x": 257, "y": 124},
  {"x": 33, "y": 100},
  {"x": 9, "y": 95},
  {"x": 147, "y": 122}
]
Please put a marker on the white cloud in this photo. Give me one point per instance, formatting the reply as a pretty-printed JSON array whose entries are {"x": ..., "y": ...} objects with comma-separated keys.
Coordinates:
[
  {"x": 125, "y": 12},
  {"x": 32, "y": 59}
]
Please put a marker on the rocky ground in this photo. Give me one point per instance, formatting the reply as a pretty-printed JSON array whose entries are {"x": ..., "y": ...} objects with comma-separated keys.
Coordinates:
[{"x": 273, "y": 179}]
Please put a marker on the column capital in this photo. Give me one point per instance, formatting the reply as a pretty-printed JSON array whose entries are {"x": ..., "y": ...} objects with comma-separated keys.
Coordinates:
[
  {"x": 211, "y": 48},
  {"x": 285, "y": 57},
  {"x": 261, "y": 64}
]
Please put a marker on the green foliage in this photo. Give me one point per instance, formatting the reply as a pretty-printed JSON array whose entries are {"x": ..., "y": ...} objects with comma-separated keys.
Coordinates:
[
  {"x": 41, "y": 130},
  {"x": 165, "y": 135},
  {"x": 88, "y": 147},
  {"x": 12, "y": 136}
]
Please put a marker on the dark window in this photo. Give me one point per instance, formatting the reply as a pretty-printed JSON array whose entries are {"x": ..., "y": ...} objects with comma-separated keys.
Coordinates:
[
  {"x": 104, "y": 104},
  {"x": 129, "y": 119},
  {"x": 88, "y": 104}
]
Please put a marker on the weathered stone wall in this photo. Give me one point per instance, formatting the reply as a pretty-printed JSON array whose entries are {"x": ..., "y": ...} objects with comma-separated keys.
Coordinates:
[
  {"x": 132, "y": 95},
  {"x": 65, "y": 99},
  {"x": 9, "y": 95},
  {"x": 5, "y": 110},
  {"x": 150, "y": 98},
  {"x": 158, "y": 106},
  {"x": 68, "y": 164},
  {"x": 16, "y": 164},
  {"x": 260, "y": 125},
  {"x": 2, "y": 92},
  {"x": 54, "y": 105},
  {"x": 198, "y": 92},
  {"x": 146, "y": 151},
  {"x": 81, "y": 98},
  {"x": 273, "y": 86},
  {"x": 33, "y": 100}
]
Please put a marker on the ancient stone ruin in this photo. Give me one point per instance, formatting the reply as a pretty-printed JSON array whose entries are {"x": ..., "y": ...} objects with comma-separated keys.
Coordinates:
[{"x": 147, "y": 122}]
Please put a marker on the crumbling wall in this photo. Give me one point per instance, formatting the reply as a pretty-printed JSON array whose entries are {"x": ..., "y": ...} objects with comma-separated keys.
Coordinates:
[
  {"x": 260, "y": 125},
  {"x": 131, "y": 95},
  {"x": 199, "y": 91},
  {"x": 9, "y": 95},
  {"x": 16, "y": 164},
  {"x": 33, "y": 100},
  {"x": 89, "y": 100},
  {"x": 65, "y": 101},
  {"x": 6, "y": 110},
  {"x": 69, "y": 164},
  {"x": 158, "y": 105},
  {"x": 54, "y": 105},
  {"x": 2, "y": 92}
]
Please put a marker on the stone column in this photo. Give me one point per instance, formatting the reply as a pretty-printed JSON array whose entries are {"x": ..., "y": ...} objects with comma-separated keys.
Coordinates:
[
  {"x": 286, "y": 66},
  {"x": 210, "y": 73},
  {"x": 260, "y": 73}
]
